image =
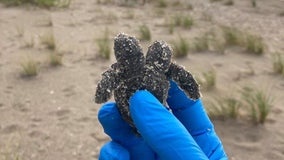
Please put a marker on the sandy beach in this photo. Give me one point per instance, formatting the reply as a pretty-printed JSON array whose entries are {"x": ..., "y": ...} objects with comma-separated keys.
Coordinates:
[{"x": 52, "y": 116}]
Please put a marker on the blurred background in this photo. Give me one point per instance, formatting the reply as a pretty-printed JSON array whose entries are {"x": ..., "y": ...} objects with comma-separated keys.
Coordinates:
[{"x": 52, "y": 54}]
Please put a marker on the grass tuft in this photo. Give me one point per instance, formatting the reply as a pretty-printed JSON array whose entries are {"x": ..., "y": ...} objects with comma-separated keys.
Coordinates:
[
  {"x": 229, "y": 2},
  {"x": 39, "y": 3},
  {"x": 208, "y": 79},
  {"x": 224, "y": 108},
  {"x": 232, "y": 36},
  {"x": 104, "y": 45},
  {"x": 258, "y": 103},
  {"x": 29, "y": 68},
  {"x": 145, "y": 33},
  {"x": 201, "y": 43},
  {"x": 253, "y": 3},
  {"x": 55, "y": 59},
  {"x": 181, "y": 48},
  {"x": 185, "y": 21},
  {"x": 162, "y": 3},
  {"x": 254, "y": 44},
  {"x": 48, "y": 40},
  {"x": 278, "y": 63}
]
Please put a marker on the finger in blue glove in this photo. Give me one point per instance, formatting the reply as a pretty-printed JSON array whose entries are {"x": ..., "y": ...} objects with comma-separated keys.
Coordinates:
[
  {"x": 162, "y": 130},
  {"x": 193, "y": 116}
]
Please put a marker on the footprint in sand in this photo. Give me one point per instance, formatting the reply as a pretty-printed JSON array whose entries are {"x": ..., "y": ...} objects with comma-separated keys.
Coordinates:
[{"x": 12, "y": 128}]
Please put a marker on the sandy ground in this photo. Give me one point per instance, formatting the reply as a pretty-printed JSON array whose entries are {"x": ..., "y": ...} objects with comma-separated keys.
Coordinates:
[{"x": 52, "y": 116}]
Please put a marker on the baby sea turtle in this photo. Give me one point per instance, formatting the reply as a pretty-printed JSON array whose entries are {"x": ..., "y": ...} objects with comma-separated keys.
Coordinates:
[{"x": 133, "y": 72}]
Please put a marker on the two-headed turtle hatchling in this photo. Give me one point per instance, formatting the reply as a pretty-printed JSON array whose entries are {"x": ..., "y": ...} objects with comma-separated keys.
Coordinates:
[{"x": 133, "y": 72}]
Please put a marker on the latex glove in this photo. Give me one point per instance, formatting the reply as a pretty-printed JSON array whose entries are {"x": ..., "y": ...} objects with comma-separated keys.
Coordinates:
[{"x": 186, "y": 134}]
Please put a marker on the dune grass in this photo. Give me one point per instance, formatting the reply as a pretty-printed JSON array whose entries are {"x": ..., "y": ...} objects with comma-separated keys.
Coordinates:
[
  {"x": 215, "y": 0},
  {"x": 253, "y": 3},
  {"x": 145, "y": 33},
  {"x": 258, "y": 103},
  {"x": 254, "y": 103},
  {"x": 233, "y": 36},
  {"x": 180, "y": 48},
  {"x": 224, "y": 108},
  {"x": 253, "y": 44},
  {"x": 162, "y": 3},
  {"x": 208, "y": 79},
  {"x": 278, "y": 63},
  {"x": 201, "y": 43},
  {"x": 29, "y": 67},
  {"x": 184, "y": 21},
  {"x": 104, "y": 45},
  {"x": 281, "y": 14},
  {"x": 39, "y": 3},
  {"x": 48, "y": 40},
  {"x": 229, "y": 2},
  {"x": 55, "y": 59}
]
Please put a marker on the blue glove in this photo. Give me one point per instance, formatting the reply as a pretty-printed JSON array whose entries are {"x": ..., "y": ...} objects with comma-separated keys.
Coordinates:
[{"x": 186, "y": 133}]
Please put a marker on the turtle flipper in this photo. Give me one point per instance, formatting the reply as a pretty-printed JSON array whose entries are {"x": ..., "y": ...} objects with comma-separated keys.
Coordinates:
[
  {"x": 185, "y": 80},
  {"x": 106, "y": 86}
]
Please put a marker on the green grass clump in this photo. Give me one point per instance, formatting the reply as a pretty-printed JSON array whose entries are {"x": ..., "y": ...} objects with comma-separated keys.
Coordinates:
[
  {"x": 171, "y": 29},
  {"x": 253, "y": 3},
  {"x": 254, "y": 44},
  {"x": 278, "y": 63},
  {"x": 104, "y": 46},
  {"x": 55, "y": 59},
  {"x": 201, "y": 43},
  {"x": 40, "y": 3},
  {"x": 258, "y": 103},
  {"x": 162, "y": 3},
  {"x": 185, "y": 21},
  {"x": 224, "y": 108},
  {"x": 233, "y": 36},
  {"x": 145, "y": 33},
  {"x": 29, "y": 68},
  {"x": 48, "y": 40},
  {"x": 229, "y": 2},
  {"x": 210, "y": 40},
  {"x": 208, "y": 79},
  {"x": 181, "y": 48}
]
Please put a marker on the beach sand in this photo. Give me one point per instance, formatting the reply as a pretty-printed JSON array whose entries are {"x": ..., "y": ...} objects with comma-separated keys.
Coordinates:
[{"x": 52, "y": 116}]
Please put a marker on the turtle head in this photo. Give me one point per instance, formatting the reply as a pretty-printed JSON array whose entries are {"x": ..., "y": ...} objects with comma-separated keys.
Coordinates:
[
  {"x": 159, "y": 56},
  {"x": 128, "y": 51}
]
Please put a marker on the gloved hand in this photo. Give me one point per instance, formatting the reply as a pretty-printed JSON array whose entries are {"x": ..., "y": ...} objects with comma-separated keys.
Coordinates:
[{"x": 186, "y": 133}]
